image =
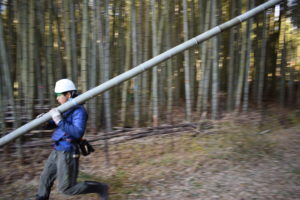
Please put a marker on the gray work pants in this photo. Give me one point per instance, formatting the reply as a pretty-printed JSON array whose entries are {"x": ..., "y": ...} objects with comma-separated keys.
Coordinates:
[{"x": 64, "y": 167}]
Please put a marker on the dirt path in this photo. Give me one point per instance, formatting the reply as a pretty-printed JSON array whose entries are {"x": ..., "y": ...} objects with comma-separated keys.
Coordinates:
[
  {"x": 182, "y": 167},
  {"x": 274, "y": 177}
]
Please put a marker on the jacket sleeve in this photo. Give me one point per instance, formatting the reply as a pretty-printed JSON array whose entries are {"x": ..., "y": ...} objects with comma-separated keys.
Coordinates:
[{"x": 76, "y": 128}]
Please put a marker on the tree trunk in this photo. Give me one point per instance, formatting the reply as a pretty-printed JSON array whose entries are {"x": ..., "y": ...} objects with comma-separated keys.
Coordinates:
[
  {"x": 241, "y": 75},
  {"x": 25, "y": 59},
  {"x": 137, "y": 79},
  {"x": 93, "y": 70},
  {"x": 84, "y": 45},
  {"x": 60, "y": 71},
  {"x": 215, "y": 66},
  {"x": 204, "y": 63},
  {"x": 49, "y": 55},
  {"x": 154, "y": 69},
  {"x": 104, "y": 37},
  {"x": 169, "y": 65},
  {"x": 206, "y": 80},
  {"x": 283, "y": 65},
  {"x": 230, "y": 63},
  {"x": 40, "y": 82},
  {"x": 161, "y": 70},
  {"x": 186, "y": 64},
  {"x": 31, "y": 56},
  {"x": 262, "y": 63},
  {"x": 2, "y": 105},
  {"x": 247, "y": 63},
  {"x": 67, "y": 35},
  {"x": 6, "y": 81},
  {"x": 145, "y": 76},
  {"x": 104, "y": 51},
  {"x": 291, "y": 86},
  {"x": 73, "y": 41},
  {"x": 127, "y": 67}
]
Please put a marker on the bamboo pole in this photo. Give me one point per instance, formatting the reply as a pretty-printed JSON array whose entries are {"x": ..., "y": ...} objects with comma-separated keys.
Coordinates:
[{"x": 138, "y": 69}]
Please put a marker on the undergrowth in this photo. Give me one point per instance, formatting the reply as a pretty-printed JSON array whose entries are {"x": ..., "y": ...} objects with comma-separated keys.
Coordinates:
[{"x": 136, "y": 165}]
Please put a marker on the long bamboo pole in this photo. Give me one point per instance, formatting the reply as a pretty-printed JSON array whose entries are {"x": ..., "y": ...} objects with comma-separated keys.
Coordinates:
[{"x": 138, "y": 69}]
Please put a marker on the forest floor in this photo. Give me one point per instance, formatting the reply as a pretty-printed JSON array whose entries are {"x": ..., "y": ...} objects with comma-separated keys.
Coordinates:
[{"x": 238, "y": 158}]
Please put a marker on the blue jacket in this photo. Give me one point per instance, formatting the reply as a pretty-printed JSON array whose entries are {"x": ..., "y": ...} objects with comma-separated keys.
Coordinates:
[{"x": 70, "y": 129}]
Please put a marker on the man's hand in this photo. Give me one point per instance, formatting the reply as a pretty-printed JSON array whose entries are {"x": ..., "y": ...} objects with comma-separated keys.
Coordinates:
[{"x": 55, "y": 114}]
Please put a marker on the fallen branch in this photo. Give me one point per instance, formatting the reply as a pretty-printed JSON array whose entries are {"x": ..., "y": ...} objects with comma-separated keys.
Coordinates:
[{"x": 120, "y": 135}]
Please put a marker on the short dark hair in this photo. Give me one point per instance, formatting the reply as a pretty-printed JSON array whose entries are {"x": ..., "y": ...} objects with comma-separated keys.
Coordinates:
[{"x": 72, "y": 92}]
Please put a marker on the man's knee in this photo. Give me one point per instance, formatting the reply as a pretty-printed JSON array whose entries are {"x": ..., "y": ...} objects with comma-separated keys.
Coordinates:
[
  {"x": 66, "y": 190},
  {"x": 65, "y": 187}
]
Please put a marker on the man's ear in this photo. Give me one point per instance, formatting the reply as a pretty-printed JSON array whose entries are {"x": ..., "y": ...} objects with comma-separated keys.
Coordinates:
[{"x": 69, "y": 94}]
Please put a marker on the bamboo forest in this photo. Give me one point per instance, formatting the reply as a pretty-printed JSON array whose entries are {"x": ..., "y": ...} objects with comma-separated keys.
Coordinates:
[{"x": 188, "y": 127}]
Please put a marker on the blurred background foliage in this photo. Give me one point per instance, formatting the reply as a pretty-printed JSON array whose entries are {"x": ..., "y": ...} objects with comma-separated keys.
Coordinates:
[{"x": 249, "y": 66}]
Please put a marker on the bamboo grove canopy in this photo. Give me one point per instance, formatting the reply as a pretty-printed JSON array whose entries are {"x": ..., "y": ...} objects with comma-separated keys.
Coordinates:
[{"x": 139, "y": 69}]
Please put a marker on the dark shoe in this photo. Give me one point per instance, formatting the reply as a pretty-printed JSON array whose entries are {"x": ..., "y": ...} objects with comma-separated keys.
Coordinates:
[{"x": 99, "y": 188}]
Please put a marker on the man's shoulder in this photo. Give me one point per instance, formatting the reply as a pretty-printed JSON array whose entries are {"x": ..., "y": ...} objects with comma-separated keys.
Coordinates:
[{"x": 80, "y": 109}]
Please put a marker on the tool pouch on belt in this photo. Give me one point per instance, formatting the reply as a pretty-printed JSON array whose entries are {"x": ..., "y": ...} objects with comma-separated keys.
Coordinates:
[{"x": 85, "y": 147}]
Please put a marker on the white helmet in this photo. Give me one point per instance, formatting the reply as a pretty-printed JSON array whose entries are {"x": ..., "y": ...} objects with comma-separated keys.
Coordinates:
[{"x": 64, "y": 85}]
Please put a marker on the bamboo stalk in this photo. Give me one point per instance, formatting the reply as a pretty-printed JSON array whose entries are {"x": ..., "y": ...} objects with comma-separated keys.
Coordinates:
[{"x": 215, "y": 67}]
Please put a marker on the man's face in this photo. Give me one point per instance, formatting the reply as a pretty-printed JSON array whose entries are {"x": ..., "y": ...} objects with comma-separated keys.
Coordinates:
[{"x": 61, "y": 98}]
